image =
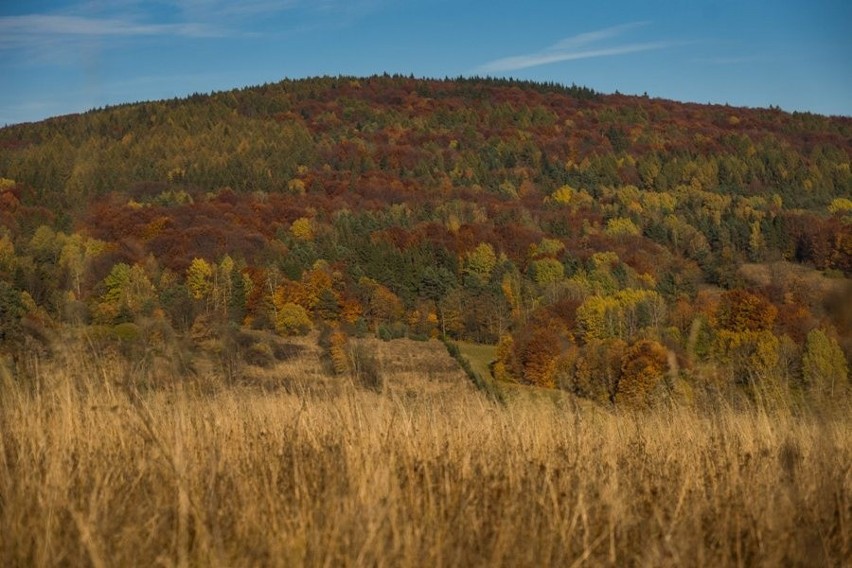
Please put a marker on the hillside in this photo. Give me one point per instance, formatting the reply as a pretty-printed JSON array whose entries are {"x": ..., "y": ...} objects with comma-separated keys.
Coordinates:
[{"x": 626, "y": 249}]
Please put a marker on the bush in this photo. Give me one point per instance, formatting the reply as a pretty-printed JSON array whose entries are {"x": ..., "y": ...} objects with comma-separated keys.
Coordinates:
[
  {"x": 292, "y": 319},
  {"x": 126, "y": 332},
  {"x": 334, "y": 343},
  {"x": 387, "y": 332},
  {"x": 259, "y": 355},
  {"x": 643, "y": 368}
]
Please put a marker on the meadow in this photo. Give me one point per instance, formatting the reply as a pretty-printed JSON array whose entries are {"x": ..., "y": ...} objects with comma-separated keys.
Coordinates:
[{"x": 304, "y": 469}]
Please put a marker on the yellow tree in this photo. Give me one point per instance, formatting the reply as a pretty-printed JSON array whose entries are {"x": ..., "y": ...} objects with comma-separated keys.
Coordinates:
[
  {"x": 199, "y": 278},
  {"x": 480, "y": 263},
  {"x": 292, "y": 319},
  {"x": 841, "y": 206},
  {"x": 8, "y": 261},
  {"x": 128, "y": 293},
  {"x": 598, "y": 318},
  {"x": 339, "y": 352},
  {"x": 547, "y": 247},
  {"x": 546, "y": 271},
  {"x": 303, "y": 229},
  {"x": 824, "y": 366},
  {"x": 382, "y": 305},
  {"x": 621, "y": 227},
  {"x": 512, "y": 291},
  {"x": 76, "y": 254},
  {"x": 506, "y": 366},
  {"x": 562, "y": 195},
  {"x": 289, "y": 291},
  {"x": 223, "y": 283},
  {"x": 318, "y": 283},
  {"x": 752, "y": 357}
]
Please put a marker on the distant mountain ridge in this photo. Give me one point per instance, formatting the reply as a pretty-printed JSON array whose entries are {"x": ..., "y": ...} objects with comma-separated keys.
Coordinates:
[
  {"x": 542, "y": 217},
  {"x": 153, "y": 135}
]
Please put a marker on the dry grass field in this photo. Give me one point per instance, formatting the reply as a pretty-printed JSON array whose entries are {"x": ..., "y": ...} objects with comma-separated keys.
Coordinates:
[{"x": 428, "y": 472}]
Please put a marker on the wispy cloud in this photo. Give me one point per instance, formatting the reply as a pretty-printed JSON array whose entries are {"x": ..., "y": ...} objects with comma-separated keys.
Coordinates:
[
  {"x": 205, "y": 10},
  {"x": 581, "y": 46},
  {"x": 175, "y": 18},
  {"x": 17, "y": 29}
]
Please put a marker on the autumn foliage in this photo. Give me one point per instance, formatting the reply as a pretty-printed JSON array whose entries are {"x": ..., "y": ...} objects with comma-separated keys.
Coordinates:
[
  {"x": 643, "y": 368},
  {"x": 586, "y": 234}
]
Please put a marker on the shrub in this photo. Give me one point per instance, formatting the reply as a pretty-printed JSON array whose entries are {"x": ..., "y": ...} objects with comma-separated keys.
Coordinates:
[
  {"x": 643, "y": 367},
  {"x": 259, "y": 355},
  {"x": 397, "y": 330},
  {"x": 292, "y": 319},
  {"x": 334, "y": 343},
  {"x": 126, "y": 331}
]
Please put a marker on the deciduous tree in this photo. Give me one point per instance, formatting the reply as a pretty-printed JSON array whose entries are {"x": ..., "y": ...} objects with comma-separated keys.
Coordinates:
[
  {"x": 643, "y": 367},
  {"x": 199, "y": 278},
  {"x": 824, "y": 367},
  {"x": 292, "y": 319}
]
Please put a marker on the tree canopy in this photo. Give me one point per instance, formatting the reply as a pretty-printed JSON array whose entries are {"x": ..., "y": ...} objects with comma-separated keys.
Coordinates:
[{"x": 550, "y": 220}]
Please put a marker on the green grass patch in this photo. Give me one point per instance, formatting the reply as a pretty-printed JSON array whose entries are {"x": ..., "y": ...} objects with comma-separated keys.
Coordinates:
[{"x": 480, "y": 357}]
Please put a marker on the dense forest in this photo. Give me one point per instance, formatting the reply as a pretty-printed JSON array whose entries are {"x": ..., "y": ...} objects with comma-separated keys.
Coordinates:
[{"x": 626, "y": 249}]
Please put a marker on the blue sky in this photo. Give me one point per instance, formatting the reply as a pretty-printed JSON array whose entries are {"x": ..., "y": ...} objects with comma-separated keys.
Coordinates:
[{"x": 63, "y": 56}]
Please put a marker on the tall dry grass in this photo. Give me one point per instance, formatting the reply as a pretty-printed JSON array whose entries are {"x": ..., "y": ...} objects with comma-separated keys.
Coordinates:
[{"x": 93, "y": 472}]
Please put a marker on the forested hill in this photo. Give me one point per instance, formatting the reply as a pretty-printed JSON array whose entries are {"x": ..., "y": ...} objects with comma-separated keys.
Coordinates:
[{"x": 582, "y": 232}]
